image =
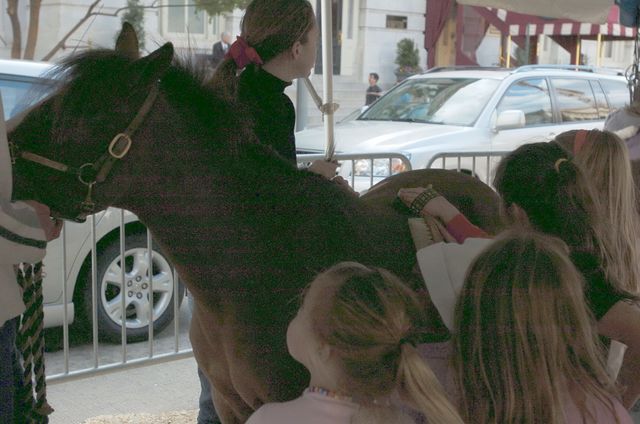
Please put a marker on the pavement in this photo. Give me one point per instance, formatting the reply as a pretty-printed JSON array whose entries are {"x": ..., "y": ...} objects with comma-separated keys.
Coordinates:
[{"x": 151, "y": 391}]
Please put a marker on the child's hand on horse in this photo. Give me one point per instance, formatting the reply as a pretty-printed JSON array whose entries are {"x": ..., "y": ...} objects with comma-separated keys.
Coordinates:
[{"x": 427, "y": 200}]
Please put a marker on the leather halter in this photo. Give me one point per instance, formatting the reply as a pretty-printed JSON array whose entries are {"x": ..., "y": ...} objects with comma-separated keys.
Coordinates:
[{"x": 91, "y": 173}]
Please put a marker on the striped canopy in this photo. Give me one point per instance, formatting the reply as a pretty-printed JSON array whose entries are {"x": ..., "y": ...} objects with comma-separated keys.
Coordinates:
[
  {"x": 579, "y": 10},
  {"x": 517, "y": 25}
]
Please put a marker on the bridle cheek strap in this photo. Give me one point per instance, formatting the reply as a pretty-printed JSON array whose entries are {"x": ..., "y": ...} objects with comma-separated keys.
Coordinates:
[{"x": 91, "y": 173}]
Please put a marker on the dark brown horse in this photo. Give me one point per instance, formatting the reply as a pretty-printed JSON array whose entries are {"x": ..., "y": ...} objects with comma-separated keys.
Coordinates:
[{"x": 245, "y": 229}]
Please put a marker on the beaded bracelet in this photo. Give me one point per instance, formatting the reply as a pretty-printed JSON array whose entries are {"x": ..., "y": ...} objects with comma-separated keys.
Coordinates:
[{"x": 422, "y": 199}]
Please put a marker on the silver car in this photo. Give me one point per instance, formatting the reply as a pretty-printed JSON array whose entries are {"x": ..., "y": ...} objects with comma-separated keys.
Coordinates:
[{"x": 473, "y": 109}]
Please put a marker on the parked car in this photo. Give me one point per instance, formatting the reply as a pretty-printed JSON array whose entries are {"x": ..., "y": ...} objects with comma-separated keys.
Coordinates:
[
  {"x": 68, "y": 259},
  {"x": 472, "y": 110}
]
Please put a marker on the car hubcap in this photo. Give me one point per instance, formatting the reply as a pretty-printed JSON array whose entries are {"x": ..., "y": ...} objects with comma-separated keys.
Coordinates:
[{"x": 136, "y": 288}]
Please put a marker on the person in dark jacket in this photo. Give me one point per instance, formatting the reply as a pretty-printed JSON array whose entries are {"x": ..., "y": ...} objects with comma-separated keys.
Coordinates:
[
  {"x": 277, "y": 45},
  {"x": 220, "y": 49}
]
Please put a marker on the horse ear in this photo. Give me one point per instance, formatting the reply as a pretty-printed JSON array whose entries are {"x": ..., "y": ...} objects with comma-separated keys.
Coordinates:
[
  {"x": 127, "y": 42},
  {"x": 153, "y": 66}
]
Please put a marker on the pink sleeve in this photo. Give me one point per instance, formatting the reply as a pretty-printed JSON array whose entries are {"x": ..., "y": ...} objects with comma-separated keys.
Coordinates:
[{"x": 461, "y": 229}]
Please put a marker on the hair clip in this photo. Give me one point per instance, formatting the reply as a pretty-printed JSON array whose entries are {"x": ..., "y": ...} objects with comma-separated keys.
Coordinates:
[{"x": 558, "y": 163}]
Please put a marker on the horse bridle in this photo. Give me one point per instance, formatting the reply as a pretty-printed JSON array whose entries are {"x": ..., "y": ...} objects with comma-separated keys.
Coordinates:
[{"x": 97, "y": 172}]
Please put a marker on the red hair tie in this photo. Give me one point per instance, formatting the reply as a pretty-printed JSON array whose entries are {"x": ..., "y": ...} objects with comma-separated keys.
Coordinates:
[
  {"x": 243, "y": 54},
  {"x": 579, "y": 140}
]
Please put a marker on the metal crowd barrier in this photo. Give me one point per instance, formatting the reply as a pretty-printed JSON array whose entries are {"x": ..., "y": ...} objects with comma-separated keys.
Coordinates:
[
  {"x": 348, "y": 163},
  {"x": 102, "y": 354},
  {"x": 479, "y": 164}
]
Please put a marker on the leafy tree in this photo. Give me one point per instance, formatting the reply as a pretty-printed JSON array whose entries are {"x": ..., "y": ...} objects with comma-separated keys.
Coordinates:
[
  {"x": 407, "y": 55},
  {"x": 216, "y": 7},
  {"x": 134, "y": 14}
]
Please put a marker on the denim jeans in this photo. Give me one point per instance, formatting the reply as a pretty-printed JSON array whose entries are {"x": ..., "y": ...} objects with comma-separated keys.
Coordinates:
[
  {"x": 10, "y": 370},
  {"x": 207, "y": 413}
]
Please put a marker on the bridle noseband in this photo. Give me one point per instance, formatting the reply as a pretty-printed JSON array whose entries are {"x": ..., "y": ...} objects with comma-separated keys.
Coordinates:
[{"x": 97, "y": 172}]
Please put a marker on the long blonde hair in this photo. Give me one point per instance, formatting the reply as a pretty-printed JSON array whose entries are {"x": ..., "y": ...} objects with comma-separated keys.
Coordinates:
[
  {"x": 558, "y": 198},
  {"x": 524, "y": 338},
  {"x": 605, "y": 160},
  {"x": 271, "y": 27},
  {"x": 371, "y": 321}
]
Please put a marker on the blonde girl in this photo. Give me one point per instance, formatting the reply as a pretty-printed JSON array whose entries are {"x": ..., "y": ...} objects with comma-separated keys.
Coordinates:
[
  {"x": 541, "y": 186},
  {"x": 525, "y": 350},
  {"x": 356, "y": 334},
  {"x": 605, "y": 159}
]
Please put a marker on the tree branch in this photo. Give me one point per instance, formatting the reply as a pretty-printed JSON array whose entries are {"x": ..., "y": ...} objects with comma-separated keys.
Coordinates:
[
  {"x": 16, "y": 45},
  {"x": 62, "y": 42}
]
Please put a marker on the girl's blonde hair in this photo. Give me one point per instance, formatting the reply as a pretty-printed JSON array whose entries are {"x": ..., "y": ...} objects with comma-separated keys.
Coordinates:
[
  {"x": 372, "y": 321},
  {"x": 271, "y": 27},
  {"x": 524, "y": 338},
  {"x": 605, "y": 159},
  {"x": 558, "y": 198}
]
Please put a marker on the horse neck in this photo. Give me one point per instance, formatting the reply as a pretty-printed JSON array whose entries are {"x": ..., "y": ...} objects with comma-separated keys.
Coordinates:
[{"x": 249, "y": 208}]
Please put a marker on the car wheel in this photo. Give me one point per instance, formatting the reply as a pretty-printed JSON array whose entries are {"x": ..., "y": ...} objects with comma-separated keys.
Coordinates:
[{"x": 136, "y": 290}]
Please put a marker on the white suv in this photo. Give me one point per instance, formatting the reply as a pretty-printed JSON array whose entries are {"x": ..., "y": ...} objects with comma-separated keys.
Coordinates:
[
  {"x": 473, "y": 110},
  {"x": 22, "y": 83}
]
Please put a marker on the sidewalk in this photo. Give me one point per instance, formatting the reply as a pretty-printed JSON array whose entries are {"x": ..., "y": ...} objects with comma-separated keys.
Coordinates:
[{"x": 155, "y": 389}]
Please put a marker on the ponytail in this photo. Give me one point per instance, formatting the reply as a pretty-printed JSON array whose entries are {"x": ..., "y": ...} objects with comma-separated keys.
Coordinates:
[
  {"x": 422, "y": 390},
  {"x": 543, "y": 180},
  {"x": 225, "y": 81},
  {"x": 269, "y": 27}
]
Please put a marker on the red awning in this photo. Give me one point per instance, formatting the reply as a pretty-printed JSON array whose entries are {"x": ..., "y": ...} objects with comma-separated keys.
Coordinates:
[{"x": 515, "y": 24}]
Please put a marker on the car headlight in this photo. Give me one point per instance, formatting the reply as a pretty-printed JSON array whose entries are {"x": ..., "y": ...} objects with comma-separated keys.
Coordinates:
[{"x": 380, "y": 168}]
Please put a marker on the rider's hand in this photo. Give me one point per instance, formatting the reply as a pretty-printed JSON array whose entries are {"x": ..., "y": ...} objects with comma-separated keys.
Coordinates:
[
  {"x": 51, "y": 226},
  {"x": 324, "y": 168}
]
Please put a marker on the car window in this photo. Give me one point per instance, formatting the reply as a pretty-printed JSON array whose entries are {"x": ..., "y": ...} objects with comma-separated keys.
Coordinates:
[
  {"x": 601, "y": 100},
  {"x": 448, "y": 101},
  {"x": 531, "y": 96},
  {"x": 575, "y": 99},
  {"x": 617, "y": 93},
  {"x": 17, "y": 95}
]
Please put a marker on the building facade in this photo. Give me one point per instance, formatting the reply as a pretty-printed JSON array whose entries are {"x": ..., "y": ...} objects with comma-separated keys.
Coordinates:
[{"x": 365, "y": 32}]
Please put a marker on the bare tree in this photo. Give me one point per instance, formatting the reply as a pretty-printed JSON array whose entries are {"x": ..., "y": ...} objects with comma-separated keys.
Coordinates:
[{"x": 212, "y": 7}]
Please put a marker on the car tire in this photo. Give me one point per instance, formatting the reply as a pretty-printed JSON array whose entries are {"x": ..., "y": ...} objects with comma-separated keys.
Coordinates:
[{"x": 136, "y": 290}]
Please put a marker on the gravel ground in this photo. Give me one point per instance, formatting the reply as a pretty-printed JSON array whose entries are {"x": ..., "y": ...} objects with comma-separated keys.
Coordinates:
[{"x": 176, "y": 417}]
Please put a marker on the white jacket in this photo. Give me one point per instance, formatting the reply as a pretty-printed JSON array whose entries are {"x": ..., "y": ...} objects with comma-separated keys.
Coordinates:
[
  {"x": 21, "y": 238},
  {"x": 444, "y": 267}
]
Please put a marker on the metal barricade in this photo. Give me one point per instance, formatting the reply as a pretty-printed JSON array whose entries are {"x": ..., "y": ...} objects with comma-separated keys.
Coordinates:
[
  {"x": 97, "y": 357},
  {"x": 93, "y": 356},
  {"x": 361, "y": 170},
  {"x": 479, "y": 164}
]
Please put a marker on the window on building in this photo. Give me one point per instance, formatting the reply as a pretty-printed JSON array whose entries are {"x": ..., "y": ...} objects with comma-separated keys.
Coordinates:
[
  {"x": 183, "y": 18},
  {"x": 396, "y": 22},
  {"x": 531, "y": 96},
  {"x": 575, "y": 99},
  {"x": 608, "y": 49}
]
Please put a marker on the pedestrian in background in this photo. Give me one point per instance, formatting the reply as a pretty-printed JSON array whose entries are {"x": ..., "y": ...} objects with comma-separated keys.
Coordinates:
[
  {"x": 220, "y": 49},
  {"x": 373, "y": 91}
]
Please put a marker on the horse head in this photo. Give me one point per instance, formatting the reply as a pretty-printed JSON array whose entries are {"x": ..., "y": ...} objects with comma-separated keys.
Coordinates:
[{"x": 65, "y": 147}]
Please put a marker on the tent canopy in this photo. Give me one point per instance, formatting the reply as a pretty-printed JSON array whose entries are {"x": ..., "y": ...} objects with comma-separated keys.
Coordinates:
[
  {"x": 515, "y": 24},
  {"x": 595, "y": 11}
]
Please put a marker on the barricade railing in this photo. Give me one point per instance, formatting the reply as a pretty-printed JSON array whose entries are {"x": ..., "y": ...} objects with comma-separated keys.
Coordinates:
[
  {"x": 363, "y": 170},
  {"x": 480, "y": 164},
  {"x": 94, "y": 357}
]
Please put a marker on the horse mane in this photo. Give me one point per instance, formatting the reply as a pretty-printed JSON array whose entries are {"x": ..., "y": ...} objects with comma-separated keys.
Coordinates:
[{"x": 184, "y": 85}]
